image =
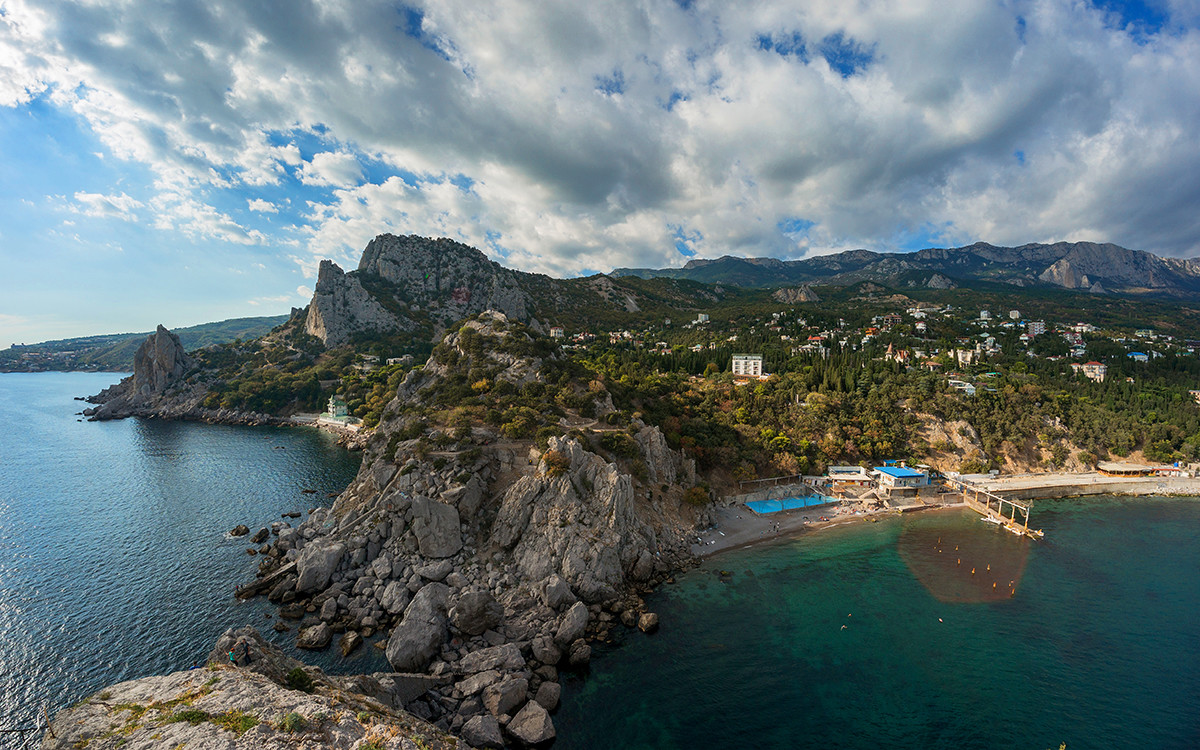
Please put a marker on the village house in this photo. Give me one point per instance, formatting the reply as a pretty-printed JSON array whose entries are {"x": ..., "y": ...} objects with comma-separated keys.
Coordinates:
[{"x": 1092, "y": 370}]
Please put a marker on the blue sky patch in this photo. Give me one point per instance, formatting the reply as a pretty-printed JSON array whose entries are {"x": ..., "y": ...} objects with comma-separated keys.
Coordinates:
[
  {"x": 784, "y": 45},
  {"x": 845, "y": 54},
  {"x": 795, "y": 226},
  {"x": 413, "y": 25},
  {"x": 614, "y": 84},
  {"x": 1140, "y": 17}
]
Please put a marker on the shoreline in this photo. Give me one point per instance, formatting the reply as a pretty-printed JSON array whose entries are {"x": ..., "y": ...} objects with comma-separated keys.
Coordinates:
[{"x": 735, "y": 526}]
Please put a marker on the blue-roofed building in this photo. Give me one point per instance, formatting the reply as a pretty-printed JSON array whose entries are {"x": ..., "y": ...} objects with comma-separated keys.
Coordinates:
[{"x": 897, "y": 477}]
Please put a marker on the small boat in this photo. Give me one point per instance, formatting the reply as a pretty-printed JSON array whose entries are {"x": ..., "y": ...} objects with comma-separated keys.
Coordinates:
[{"x": 990, "y": 519}]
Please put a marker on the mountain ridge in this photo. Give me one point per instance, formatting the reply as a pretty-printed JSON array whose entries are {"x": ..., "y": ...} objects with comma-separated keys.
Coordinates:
[{"x": 1087, "y": 266}]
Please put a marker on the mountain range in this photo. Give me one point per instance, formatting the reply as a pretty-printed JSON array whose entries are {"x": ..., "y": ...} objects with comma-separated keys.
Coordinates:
[{"x": 1085, "y": 266}]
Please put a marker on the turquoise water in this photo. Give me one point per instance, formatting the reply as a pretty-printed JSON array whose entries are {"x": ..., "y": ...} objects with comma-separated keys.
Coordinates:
[
  {"x": 878, "y": 635},
  {"x": 114, "y": 558}
]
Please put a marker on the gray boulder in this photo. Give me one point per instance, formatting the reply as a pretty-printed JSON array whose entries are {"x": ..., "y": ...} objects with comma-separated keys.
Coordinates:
[
  {"x": 648, "y": 622},
  {"x": 483, "y": 732},
  {"x": 437, "y": 528},
  {"x": 532, "y": 725},
  {"x": 350, "y": 641},
  {"x": 315, "y": 637},
  {"x": 476, "y": 682},
  {"x": 395, "y": 597},
  {"x": 556, "y": 593},
  {"x": 572, "y": 624},
  {"x": 548, "y": 695},
  {"x": 419, "y": 636},
  {"x": 315, "y": 566},
  {"x": 436, "y": 571},
  {"x": 580, "y": 653},
  {"x": 477, "y": 611},
  {"x": 507, "y": 656},
  {"x": 503, "y": 697}
]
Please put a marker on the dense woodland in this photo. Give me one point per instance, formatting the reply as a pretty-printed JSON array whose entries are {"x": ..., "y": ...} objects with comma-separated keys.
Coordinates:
[{"x": 847, "y": 405}]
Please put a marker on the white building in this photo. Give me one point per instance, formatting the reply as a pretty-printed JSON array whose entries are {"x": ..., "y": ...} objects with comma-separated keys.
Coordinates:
[
  {"x": 1036, "y": 327},
  {"x": 1014, "y": 314},
  {"x": 985, "y": 315},
  {"x": 747, "y": 365},
  {"x": 557, "y": 333}
]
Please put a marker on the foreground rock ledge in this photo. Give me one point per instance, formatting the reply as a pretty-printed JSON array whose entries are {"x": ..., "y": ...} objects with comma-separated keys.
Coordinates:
[{"x": 247, "y": 706}]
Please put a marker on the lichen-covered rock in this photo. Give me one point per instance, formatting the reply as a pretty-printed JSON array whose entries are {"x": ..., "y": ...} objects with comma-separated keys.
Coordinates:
[
  {"x": 416, "y": 640},
  {"x": 247, "y": 707}
]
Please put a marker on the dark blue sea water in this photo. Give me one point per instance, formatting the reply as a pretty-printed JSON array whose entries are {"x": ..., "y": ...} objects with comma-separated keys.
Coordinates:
[
  {"x": 114, "y": 557},
  {"x": 879, "y": 636},
  {"x": 114, "y": 563}
]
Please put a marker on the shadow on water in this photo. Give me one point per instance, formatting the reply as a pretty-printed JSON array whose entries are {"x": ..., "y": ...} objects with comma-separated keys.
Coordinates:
[{"x": 959, "y": 562}]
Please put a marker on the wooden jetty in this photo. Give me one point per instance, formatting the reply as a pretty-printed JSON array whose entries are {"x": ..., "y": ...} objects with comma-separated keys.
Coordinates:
[{"x": 981, "y": 500}]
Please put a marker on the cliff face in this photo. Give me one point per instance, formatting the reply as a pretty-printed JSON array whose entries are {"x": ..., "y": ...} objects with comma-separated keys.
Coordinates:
[
  {"x": 487, "y": 559},
  {"x": 156, "y": 386},
  {"x": 401, "y": 280},
  {"x": 341, "y": 307},
  {"x": 249, "y": 705}
]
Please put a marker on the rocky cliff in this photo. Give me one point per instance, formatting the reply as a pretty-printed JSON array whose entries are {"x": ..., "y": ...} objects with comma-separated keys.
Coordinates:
[
  {"x": 262, "y": 700},
  {"x": 157, "y": 383},
  {"x": 403, "y": 281},
  {"x": 482, "y": 557}
]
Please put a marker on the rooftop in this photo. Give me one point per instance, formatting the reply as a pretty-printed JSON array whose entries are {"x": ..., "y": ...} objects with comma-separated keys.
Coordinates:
[{"x": 900, "y": 472}]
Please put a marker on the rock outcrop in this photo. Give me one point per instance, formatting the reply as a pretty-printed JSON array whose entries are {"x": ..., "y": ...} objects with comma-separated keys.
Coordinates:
[
  {"x": 341, "y": 307},
  {"x": 489, "y": 561},
  {"x": 261, "y": 699},
  {"x": 795, "y": 295},
  {"x": 159, "y": 366}
]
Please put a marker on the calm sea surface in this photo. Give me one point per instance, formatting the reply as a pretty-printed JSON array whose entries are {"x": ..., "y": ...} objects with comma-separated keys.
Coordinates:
[
  {"x": 114, "y": 563},
  {"x": 880, "y": 636},
  {"x": 114, "y": 556}
]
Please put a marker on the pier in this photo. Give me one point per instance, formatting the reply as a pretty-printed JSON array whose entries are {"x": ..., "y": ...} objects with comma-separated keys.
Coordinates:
[{"x": 980, "y": 501}]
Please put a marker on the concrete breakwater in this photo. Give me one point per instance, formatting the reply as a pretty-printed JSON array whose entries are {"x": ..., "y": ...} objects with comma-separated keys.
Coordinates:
[{"x": 1053, "y": 486}]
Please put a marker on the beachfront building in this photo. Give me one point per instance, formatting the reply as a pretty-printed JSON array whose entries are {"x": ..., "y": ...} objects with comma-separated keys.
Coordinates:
[
  {"x": 338, "y": 414},
  {"x": 900, "y": 477},
  {"x": 747, "y": 365},
  {"x": 855, "y": 475}
]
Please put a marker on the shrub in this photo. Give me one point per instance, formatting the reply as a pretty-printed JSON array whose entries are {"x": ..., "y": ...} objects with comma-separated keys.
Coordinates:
[
  {"x": 619, "y": 443},
  {"x": 696, "y": 496},
  {"x": 556, "y": 463},
  {"x": 237, "y": 722},
  {"x": 192, "y": 716},
  {"x": 293, "y": 722},
  {"x": 298, "y": 679}
]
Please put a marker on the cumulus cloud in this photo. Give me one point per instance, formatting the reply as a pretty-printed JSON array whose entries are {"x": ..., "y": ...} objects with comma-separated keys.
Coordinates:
[
  {"x": 107, "y": 206},
  {"x": 262, "y": 206},
  {"x": 337, "y": 169},
  {"x": 572, "y": 138}
]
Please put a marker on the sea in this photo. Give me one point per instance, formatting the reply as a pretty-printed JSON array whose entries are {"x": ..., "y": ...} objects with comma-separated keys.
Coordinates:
[{"x": 928, "y": 630}]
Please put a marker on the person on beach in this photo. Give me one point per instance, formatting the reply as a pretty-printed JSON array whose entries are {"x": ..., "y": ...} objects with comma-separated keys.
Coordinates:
[{"x": 232, "y": 658}]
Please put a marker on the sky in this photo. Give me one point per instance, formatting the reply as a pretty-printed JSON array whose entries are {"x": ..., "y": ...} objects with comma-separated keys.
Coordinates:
[{"x": 184, "y": 162}]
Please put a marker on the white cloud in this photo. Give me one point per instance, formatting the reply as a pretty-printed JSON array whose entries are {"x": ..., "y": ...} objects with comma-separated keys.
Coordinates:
[
  {"x": 107, "y": 206},
  {"x": 588, "y": 136},
  {"x": 339, "y": 169}
]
